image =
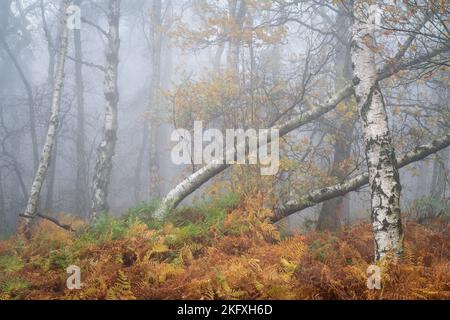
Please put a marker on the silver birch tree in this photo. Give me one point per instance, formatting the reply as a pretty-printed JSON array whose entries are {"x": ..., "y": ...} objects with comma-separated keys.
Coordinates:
[
  {"x": 33, "y": 200},
  {"x": 106, "y": 149},
  {"x": 384, "y": 180}
]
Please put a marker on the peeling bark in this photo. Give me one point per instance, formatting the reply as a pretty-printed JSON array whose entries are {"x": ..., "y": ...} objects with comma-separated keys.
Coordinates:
[
  {"x": 32, "y": 205},
  {"x": 384, "y": 180},
  {"x": 106, "y": 149}
]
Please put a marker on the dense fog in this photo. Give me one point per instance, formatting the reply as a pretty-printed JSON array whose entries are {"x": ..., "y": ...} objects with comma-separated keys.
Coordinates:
[{"x": 276, "y": 62}]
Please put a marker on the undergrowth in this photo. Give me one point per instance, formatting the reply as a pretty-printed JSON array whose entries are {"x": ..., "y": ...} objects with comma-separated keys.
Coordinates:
[{"x": 223, "y": 249}]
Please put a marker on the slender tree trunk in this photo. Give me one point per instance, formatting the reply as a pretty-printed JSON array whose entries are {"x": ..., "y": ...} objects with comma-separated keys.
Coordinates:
[
  {"x": 166, "y": 169},
  {"x": 32, "y": 205},
  {"x": 16, "y": 168},
  {"x": 335, "y": 210},
  {"x": 218, "y": 57},
  {"x": 81, "y": 183},
  {"x": 438, "y": 180},
  {"x": 5, "y": 8},
  {"x": 384, "y": 180},
  {"x": 440, "y": 164},
  {"x": 154, "y": 106},
  {"x": 139, "y": 164},
  {"x": 22, "y": 185},
  {"x": 106, "y": 149},
  {"x": 4, "y": 18},
  {"x": 3, "y": 219},
  {"x": 50, "y": 48},
  {"x": 30, "y": 101},
  {"x": 51, "y": 73},
  {"x": 52, "y": 177},
  {"x": 421, "y": 180},
  {"x": 237, "y": 10}
]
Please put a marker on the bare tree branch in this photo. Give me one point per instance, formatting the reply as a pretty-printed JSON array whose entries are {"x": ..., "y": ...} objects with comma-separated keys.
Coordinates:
[{"x": 318, "y": 196}]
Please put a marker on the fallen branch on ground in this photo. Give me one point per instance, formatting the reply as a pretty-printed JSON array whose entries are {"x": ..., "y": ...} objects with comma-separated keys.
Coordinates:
[{"x": 51, "y": 219}]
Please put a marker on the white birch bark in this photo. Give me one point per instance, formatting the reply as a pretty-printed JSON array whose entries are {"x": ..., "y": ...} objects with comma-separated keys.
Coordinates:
[
  {"x": 106, "y": 149},
  {"x": 318, "y": 196},
  {"x": 195, "y": 180},
  {"x": 384, "y": 180},
  {"x": 33, "y": 200}
]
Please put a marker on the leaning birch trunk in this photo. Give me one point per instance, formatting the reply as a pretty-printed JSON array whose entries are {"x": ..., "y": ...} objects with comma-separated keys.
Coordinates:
[
  {"x": 33, "y": 200},
  {"x": 384, "y": 180},
  {"x": 198, "y": 178},
  {"x": 106, "y": 149},
  {"x": 323, "y": 194}
]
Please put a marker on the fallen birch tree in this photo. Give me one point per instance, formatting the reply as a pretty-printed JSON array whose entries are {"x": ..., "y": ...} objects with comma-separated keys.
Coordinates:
[
  {"x": 320, "y": 195},
  {"x": 201, "y": 176}
]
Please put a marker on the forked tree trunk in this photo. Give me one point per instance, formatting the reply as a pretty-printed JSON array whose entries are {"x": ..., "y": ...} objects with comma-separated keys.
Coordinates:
[
  {"x": 106, "y": 149},
  {"x": 384, "y": 180},
  {"x": 33, "y": 201}
]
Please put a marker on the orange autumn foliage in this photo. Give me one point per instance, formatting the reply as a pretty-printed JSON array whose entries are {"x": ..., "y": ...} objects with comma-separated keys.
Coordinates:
[{"x": 241, "y": 257}]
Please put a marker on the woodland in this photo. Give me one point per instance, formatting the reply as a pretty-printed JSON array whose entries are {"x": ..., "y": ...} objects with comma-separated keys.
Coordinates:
[{"x": 224, "y": 149}]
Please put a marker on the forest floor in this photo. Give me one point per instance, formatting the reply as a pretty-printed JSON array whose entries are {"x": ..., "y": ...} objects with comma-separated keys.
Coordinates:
[{"x": 222, "y": 250}]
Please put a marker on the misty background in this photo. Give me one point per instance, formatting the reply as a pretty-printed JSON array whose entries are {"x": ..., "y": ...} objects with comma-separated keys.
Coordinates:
[{"x": 279, "y": 59}]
